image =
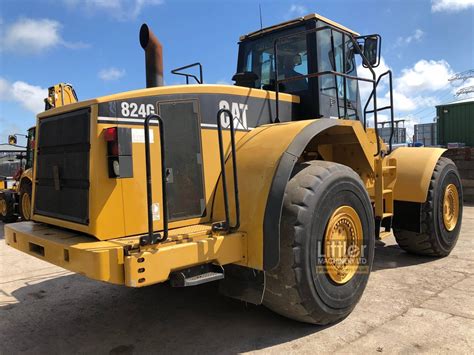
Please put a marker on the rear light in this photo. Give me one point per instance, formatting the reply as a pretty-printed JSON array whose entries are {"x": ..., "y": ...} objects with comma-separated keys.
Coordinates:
[
  {"x": 119, "y": 152},
  {"x": 110, "y": 134}
]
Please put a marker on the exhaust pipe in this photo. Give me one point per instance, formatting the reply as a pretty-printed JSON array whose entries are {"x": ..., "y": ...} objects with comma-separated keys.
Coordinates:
[{"x": 153, "y": 57}]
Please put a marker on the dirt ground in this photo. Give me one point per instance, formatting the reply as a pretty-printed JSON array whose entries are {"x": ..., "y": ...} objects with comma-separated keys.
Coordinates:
[{"x": 411, "y": 304}]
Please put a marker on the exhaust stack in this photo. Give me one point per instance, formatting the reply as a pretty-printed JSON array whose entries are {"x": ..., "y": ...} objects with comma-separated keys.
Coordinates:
[{"x": 153, "y": 57}]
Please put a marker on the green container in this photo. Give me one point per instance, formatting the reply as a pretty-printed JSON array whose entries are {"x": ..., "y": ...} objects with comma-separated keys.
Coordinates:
[{"x": 456, "y": 123}]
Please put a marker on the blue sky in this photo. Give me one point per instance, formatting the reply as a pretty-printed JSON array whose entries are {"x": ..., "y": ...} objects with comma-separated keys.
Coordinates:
[{"x": 93, "y": 44}]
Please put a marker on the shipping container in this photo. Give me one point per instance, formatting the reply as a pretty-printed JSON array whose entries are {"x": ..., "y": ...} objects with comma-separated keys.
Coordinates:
[
  {"x": 399, "y": 134},
  {"x": 426, "y": 133},
  {"x": 456, "y": 122}
]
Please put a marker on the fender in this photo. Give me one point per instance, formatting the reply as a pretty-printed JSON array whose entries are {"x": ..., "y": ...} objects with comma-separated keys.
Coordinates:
[
  {"x": 415, "y": 167},
  {"x": 266, "y": 157},
  {"x": 27, "y": 175}
]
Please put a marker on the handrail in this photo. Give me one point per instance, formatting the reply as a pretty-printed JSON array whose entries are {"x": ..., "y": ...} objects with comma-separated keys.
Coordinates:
[
  {"x": 151, "y": 237},
  {"x": 177, "y": 72},
  {"x": 389, "y": 107},
  {"x": 313, "y": 75},
  {"x": 225, "y": 226}
]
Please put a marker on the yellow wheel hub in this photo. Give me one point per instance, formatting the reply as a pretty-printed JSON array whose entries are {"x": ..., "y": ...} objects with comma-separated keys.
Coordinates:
[
  {"x": 343, "y": 244},
  {"x": 26, "y": 206},
  {"x": 450, "y": 207},
  {"x": 3, "y": 207}
]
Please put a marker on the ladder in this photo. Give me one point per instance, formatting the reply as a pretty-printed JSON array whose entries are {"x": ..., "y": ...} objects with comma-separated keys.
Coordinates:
[{"x": 385, "y": 177}]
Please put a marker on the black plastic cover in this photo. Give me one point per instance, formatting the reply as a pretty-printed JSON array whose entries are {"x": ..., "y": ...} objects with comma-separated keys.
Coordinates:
[{"x": 62, "y": 177}]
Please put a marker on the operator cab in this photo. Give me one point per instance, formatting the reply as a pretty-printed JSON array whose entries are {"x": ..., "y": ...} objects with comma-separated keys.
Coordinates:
[{"x": 303, "y": 55}]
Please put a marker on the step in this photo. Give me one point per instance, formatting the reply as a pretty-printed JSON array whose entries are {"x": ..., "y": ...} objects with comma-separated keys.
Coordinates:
[
  {"x": 384, "y": 235},
  {"x": 203, "y": 278},
  {"x": 196, "y": 275},
  {"x": 387, "y": 191}
]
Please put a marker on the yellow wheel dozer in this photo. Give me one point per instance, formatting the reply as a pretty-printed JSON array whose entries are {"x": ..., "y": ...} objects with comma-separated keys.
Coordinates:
[{"x": 274, "y": 187}]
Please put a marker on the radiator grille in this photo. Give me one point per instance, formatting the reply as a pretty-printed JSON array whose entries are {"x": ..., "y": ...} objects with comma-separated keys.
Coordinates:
[{"x": 62, "y": 176}]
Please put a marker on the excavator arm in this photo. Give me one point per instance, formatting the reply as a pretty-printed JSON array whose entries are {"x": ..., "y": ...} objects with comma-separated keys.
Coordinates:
[{"x": 59, "y": 95}]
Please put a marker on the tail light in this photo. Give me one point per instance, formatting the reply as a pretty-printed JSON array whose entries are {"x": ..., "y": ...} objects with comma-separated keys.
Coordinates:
[{"x": 119, "y": 152}]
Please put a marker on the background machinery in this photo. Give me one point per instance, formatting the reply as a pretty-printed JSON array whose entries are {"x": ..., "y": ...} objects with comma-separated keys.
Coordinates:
[
  {"x": 16, "y": 202},
  {"x": 274, "y": 186}
]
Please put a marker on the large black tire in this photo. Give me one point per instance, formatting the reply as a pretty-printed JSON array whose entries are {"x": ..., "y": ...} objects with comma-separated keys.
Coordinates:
[
  {"x": 7, "y": 207},
  {"x": 25, "y": 199},
  {"x": 300, "y": 287},
  {"x": 435, "y": 239}
]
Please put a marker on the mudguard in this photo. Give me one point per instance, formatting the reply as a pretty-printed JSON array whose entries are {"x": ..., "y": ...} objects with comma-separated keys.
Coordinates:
[
  {"x": 266, "y": 157},
  {"x": 415, "y": 167}
]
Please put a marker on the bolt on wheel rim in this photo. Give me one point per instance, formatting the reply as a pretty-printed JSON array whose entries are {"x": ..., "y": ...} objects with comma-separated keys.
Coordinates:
[
  {"x": 450, "y": 207},
  {"x": 343, "y": 244}
]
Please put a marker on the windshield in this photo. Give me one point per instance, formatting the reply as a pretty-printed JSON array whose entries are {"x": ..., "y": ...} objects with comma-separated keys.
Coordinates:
[{"x": 258, "y": 58}]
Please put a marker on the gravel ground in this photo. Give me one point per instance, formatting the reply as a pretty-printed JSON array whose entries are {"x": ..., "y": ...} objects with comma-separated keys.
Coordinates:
[{"x": 411, "y": 304}]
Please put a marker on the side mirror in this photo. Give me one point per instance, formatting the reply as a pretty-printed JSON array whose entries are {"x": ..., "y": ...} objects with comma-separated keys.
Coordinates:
[
  {"x": 372, "y": 50},
  {"x": 12, "y": 140}
]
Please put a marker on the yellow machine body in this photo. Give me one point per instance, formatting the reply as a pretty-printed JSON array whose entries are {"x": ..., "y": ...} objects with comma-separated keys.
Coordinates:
[
  {"x": 89, "y": 202},
  {"x": 118, "y": 206}
]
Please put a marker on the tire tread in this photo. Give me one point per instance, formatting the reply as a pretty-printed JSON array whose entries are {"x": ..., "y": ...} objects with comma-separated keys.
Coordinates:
[
  {"x": 426, "y": 242},
  {"x": 282, "y": 283}
]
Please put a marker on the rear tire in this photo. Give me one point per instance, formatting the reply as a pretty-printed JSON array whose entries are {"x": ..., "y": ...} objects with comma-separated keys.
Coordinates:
[
  {"x": 302, "y": 287},
  {"x": 25, "y": 199},
  {"x": 7, "y": 207},
  {"x": 439, "y": 232}
]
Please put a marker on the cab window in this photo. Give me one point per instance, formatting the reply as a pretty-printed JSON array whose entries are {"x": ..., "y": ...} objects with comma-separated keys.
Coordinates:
[{"x": 292, "y": 61}]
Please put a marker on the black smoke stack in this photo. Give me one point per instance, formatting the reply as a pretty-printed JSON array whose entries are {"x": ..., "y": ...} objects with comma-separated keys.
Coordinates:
[{"x": 153, "y": 57}]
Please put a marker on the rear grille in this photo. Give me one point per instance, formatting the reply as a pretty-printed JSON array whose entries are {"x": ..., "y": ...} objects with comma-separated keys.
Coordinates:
[{"x": 62, "y": 176}]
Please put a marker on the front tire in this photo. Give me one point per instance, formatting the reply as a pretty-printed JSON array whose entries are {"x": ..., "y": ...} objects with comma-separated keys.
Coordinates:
[
  {"x": 7, "y": 207},
  {"x": 441, "y": 215},
  {"x": 25, "y": 200},
  {"x": 325, "y": 204}
]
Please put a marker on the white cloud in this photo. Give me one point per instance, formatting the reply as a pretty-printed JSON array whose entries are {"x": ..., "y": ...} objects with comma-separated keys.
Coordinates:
[
  {"x": 416, "y": 88},
  {"x": 31, "y": 97},
  {"x": 119, "y": 9},
  {"x": 450, "y": 5},
  {"x": 365, "y": 87},
  {"x": 110, "y": 74},
  {"x": 425, "y": 75},
  {"x": 298, "y": 10},
  {"x": 28, "y": 35},
  {"x": 415, "y": 37}
]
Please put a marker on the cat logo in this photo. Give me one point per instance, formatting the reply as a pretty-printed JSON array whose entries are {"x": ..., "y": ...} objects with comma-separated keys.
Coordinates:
[{"x": 239, "y": 113}]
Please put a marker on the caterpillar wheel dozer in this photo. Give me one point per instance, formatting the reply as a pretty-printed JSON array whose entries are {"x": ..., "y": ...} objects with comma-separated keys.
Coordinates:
[
  {"x": 275, "y": 187},
  {"x": 15, "y": 202}
]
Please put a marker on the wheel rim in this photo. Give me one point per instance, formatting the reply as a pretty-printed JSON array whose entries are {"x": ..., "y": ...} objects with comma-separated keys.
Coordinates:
[
  {"x": 26, "y": 205},
  {"x": 3, "y": 207},
  {"x": 343, "y": 244},
  {"x": 451, "y": 207}
]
